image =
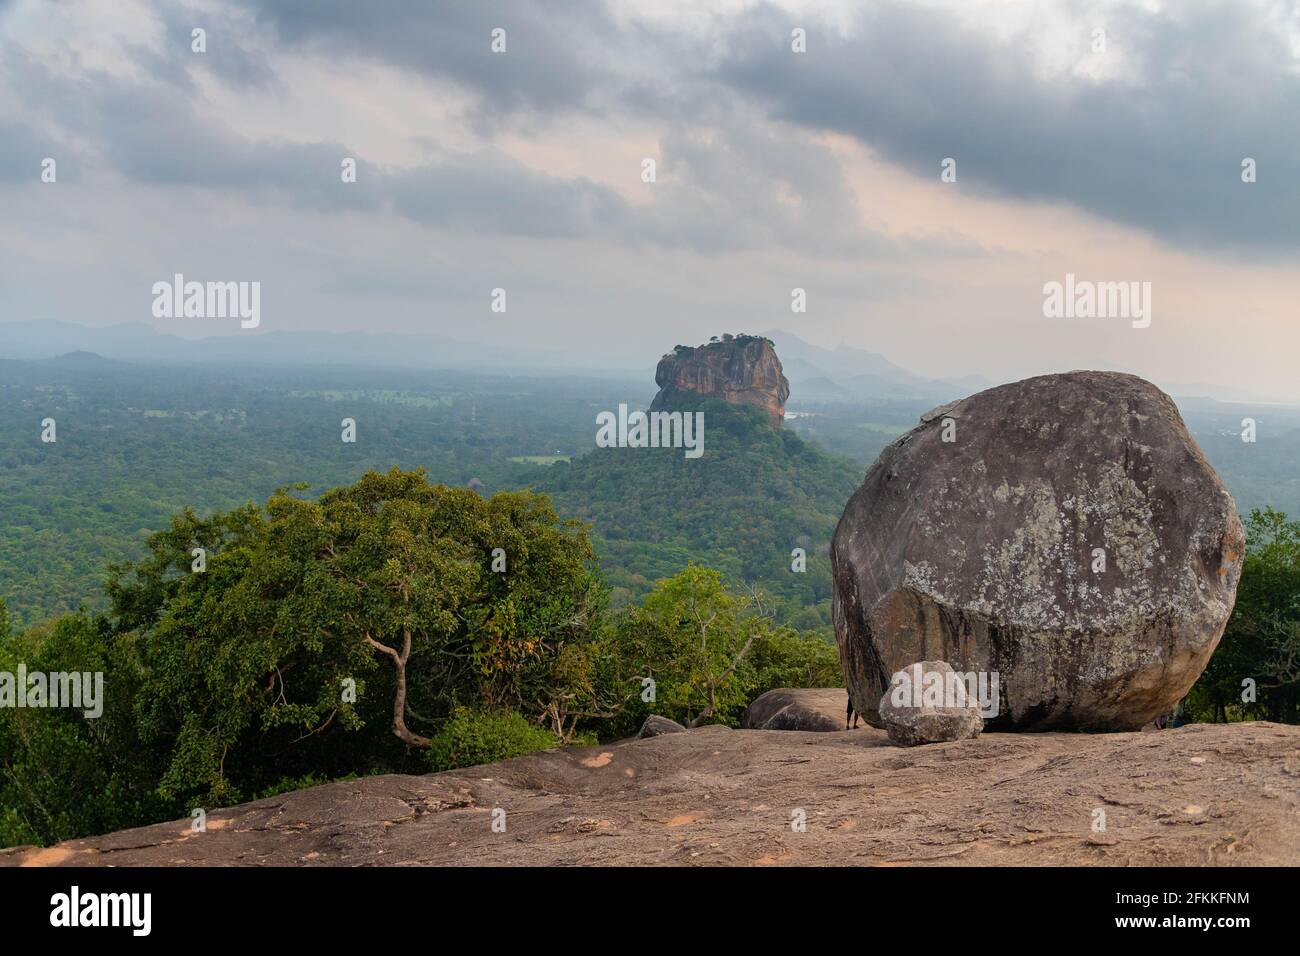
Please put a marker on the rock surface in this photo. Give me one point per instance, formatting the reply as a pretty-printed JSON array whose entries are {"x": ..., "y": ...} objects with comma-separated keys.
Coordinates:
[
  {"x": 982, "y": 551},
  {"x": 742, "y": 371},
  {"x": 1198, "y": 795},
  {"x": 819, "y": 709},
  {"x": 911, "y": 718},
  {"x": 655, "y": 725}
]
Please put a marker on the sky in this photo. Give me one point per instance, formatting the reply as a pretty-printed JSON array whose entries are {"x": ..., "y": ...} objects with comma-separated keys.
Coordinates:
[{"x": 1102, "y": 140}]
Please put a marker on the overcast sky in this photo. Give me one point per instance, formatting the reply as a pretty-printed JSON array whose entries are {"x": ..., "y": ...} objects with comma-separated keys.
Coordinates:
[{"x": 820, "y": 170}]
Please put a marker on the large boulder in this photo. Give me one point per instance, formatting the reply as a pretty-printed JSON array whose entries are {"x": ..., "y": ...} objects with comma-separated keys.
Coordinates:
[
  {"x": 927, "y": 704},
  {"x": 1062, "y": 536},
  {"x": 798, "y": 708}
]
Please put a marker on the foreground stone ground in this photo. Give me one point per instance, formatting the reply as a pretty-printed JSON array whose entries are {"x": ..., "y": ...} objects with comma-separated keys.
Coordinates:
[{"x": 1203, "y": 794}]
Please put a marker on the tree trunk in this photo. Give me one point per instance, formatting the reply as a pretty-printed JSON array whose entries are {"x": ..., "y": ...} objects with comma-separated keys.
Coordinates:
[{"x": 403, "y": 733}]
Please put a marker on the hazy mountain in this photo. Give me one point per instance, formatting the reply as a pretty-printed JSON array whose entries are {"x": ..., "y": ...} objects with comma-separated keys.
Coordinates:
[
  {"x": 816, "y": 374},
  {"x": 846, "y": 373},
  {"x": 139, "y": 342},
  {"x": 1190, "y": 391},
  {"x": 81, "y": 359}
]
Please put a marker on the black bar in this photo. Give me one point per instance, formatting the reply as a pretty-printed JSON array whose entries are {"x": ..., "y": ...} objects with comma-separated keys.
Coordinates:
[{"x": 210, "y": 905}]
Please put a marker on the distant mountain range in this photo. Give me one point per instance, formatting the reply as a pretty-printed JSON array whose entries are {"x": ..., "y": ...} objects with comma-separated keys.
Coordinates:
[
  {"x": 847, "y": 374},
  {"x": 816, "y": 374},
  {"x": 139, "y": 342}
]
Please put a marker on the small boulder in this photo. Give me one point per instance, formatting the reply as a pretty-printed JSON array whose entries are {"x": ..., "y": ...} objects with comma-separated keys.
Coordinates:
[
  {"x": 655, "y": 725},
  {"x": 928, "y": 703},
  {"x": 818, "y": 709}
]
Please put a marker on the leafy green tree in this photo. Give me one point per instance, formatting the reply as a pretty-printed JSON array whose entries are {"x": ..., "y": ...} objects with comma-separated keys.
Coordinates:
[
  {"x": 693, "y": 637},
  {"x": 385, "y": 588},
  {"x": 64, "y": 774},
  {"x": 788, "y": 658},
  {"x": 705, "y": 649},
  {"x": 389, "y": 625},
  {"x": 1262, "y": 640}
]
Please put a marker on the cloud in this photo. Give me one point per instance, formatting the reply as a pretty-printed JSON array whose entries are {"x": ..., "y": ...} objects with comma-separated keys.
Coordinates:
[
  {"x": 21, "y": 151},
  {"x": 1157, "y": 142},
  {"x": 774, "y": 169},
  {"x": 231, "y": 53},
  {"x": 731, "y": 183},
  {"x": 1160, "y": 149},
  {"x": 557, "y": 53}
]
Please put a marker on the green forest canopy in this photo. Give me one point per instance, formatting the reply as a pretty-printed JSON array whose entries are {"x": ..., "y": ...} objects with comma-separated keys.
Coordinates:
[{"x": 390, "y": 625}]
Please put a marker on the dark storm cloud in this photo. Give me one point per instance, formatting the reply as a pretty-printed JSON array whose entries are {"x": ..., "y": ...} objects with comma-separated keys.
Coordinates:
[
  {"x": 166, "y": 144},
  {"x": 1216, "y": 84},
  {"x": 558, "y": 52},
  {"x": 1160, "y": 147},
  {"x": 737, "y": 185},
  {"x": 152, "y": 133}
]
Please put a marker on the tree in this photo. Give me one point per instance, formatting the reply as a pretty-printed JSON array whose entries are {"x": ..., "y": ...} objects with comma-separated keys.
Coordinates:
[
  {"x": 416, "y": 597},
  {"x": 391, "y": 625},
  {"x": 63, "y": 773},
  {"x": 692, "y": 637},
  {"x": 1261, "y": 642}
]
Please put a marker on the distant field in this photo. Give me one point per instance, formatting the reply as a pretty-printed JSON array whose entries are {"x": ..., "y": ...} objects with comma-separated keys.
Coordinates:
[
  {"x": 540, "y": 459},
  {"x": 375, "y": 395}
]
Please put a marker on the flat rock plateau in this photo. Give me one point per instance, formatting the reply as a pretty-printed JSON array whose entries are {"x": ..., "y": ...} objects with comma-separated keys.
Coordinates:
[{"x": 1201, "y": 794}]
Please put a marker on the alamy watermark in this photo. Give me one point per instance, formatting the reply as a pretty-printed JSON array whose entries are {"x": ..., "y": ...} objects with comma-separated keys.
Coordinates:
[
  {"x": 915, "y": 687},
  {"x": 1083, "y": 299},
  {"x": 74, "y": 908},
  {"x": 651, "y": 430},
  {"x": 79, "y": 690},
  {"x": 179, "y": 299}
]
